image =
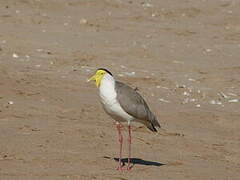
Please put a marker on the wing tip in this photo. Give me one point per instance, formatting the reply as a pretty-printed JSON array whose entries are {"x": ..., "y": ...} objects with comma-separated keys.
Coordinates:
[{"x": 154, "y": 128}]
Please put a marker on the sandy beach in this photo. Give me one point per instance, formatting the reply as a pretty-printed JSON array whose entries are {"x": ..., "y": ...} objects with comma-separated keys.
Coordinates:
[{"x": 183, "y": 56}]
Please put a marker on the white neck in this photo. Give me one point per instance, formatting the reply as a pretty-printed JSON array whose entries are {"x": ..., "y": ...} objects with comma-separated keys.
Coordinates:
[{"x": 107, "y": 89}]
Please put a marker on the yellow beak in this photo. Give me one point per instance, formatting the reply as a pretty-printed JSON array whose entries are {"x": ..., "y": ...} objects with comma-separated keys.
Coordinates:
[{"x": 95, "y": 78}]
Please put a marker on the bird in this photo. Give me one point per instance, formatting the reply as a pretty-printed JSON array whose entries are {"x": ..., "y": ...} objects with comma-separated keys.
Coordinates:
[{"x": 123, "y": 104}]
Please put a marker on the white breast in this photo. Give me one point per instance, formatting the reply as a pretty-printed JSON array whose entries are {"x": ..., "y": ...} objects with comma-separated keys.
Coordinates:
[{"x": 109, "y": 100}]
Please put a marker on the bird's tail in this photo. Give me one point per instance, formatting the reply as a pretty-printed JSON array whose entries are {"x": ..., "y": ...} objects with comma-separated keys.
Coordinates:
[{"x": 152, "y": 123}]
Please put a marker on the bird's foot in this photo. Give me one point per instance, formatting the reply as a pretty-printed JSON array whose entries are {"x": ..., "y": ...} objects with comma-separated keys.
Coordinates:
[
  {"x": 129, "y": 168},
  {"x": 120, "y": 168},
  {"x": 123, "y": 168}
]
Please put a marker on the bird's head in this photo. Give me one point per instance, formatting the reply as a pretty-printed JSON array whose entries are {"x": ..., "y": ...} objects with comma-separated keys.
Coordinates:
[{"x": 99, "y": 74}]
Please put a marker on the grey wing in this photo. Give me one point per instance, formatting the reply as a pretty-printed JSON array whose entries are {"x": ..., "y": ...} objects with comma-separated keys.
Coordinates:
[{"x": 133, "y": 103}]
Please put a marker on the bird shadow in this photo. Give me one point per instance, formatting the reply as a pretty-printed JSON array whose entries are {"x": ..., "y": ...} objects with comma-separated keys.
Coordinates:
[{"x": 138, "y": 161}]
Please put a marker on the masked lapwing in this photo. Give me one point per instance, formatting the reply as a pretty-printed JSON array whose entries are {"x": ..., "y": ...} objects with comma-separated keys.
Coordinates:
[{"x": 123, "y": 104}]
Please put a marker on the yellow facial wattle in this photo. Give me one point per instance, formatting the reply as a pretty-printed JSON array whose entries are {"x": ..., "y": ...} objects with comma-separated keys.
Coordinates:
[{"x": 97, "y": 77}]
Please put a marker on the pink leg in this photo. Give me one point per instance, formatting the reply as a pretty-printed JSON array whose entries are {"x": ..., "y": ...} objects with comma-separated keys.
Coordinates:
[
  {"x": 120, "y": 139},
  {"x": 129, "y": 146}
]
